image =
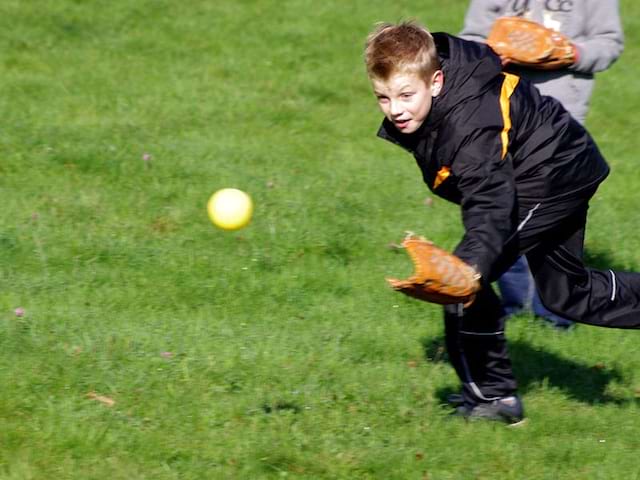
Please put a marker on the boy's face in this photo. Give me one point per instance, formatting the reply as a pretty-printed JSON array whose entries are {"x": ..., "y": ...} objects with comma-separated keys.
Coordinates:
[{"x": 405, "y": 98}]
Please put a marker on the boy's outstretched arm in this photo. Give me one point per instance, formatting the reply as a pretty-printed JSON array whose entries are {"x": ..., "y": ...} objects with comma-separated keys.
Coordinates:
[{"x": 486, "y": 181}]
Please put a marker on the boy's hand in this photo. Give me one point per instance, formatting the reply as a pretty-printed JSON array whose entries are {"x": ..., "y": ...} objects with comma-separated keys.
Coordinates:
[
  {"x": 440, "y": 277},
  {"x": 524, "y": 42}
]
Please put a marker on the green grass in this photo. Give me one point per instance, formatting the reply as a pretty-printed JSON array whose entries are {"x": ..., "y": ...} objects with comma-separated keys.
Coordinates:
[{"x": 275, "y": 351}]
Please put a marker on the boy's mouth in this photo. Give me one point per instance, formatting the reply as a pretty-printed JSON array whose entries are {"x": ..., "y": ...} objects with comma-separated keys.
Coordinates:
[{"x": 401, "y": 124}]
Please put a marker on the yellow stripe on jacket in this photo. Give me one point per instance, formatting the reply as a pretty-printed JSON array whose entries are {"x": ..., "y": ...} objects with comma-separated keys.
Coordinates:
[
  {"x": 508, "y": 86},
  {"x": 441, "y": 176}
]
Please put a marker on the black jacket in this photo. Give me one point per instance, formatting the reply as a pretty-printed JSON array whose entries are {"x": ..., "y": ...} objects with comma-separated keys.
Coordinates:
[{"x": 494, "y": 145}]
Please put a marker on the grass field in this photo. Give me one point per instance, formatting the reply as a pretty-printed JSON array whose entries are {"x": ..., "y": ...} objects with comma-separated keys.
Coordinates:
[{"x": 137, "y": 341}]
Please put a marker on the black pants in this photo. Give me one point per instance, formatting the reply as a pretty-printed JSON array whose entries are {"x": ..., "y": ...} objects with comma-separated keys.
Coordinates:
[{"x": 552, "y": 238}]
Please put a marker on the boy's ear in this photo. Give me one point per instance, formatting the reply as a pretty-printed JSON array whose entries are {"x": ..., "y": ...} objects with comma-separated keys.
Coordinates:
[{"x": 437, "y": 83}]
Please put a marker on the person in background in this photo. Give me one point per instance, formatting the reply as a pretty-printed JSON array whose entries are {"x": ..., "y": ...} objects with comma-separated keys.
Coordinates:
[{"x": 595, "y": 30}]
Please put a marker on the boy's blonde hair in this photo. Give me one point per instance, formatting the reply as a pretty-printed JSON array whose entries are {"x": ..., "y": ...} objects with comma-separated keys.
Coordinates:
[{"x": 407, "y": 47}]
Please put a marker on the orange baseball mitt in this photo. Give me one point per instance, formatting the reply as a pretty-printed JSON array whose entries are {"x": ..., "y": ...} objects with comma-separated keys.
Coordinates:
[
  {"x": 440, "y": 277},
  {"x": 527, "y": 43}
]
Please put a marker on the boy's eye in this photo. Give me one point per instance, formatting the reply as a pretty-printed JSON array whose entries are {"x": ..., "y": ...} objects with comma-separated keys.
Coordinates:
[
  {"x": 406, "y": 95},
  {"x": 382, "y": 99}
]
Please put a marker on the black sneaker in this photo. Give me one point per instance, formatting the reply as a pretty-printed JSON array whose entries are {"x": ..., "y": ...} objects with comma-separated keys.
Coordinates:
[{"x": 508, "y": 410}]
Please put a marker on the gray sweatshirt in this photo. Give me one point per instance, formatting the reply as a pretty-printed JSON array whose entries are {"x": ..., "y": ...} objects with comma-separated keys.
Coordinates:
[{"x": 592, "y": 25}]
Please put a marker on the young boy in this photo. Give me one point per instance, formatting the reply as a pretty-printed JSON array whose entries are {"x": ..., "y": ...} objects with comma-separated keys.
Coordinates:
[{"x": 521, "y": 169}]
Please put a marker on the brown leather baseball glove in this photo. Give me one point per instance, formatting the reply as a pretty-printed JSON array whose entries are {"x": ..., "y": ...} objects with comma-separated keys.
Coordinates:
[
  {"x": 527, "y": 43},
  {"x": 440, "y": 277}
]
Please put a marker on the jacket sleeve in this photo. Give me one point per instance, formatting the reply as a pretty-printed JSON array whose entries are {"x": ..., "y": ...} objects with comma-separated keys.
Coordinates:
[
  {"x": 602, "y": 41},
  {"x": 479, "y": 19},
  {"x": 487, "y": 185}
]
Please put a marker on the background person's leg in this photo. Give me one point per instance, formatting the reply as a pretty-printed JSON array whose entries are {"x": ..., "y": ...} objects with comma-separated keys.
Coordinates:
[
  {"x": 518, "y": 293},
  {"x": 516, "y": 287},
  {"x": 545, "y": 314}
]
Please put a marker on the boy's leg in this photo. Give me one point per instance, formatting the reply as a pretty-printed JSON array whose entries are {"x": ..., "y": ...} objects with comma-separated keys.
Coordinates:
[
  {"x": 567, "y": 287},
  {"x": 477, "y": 349},
  {"x": 545, "y": 314},
  {"x": 518, "y": 293}
]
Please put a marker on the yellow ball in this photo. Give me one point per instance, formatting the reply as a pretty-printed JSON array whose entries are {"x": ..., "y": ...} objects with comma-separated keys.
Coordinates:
[{"x": 230, "y": 208}]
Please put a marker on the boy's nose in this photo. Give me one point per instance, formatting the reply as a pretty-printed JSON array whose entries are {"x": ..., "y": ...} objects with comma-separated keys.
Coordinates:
[{"x": 395, "y": 109}]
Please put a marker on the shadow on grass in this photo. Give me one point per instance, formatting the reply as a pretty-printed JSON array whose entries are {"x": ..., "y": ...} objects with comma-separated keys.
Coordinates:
[{"x": 532, "y": 367}]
